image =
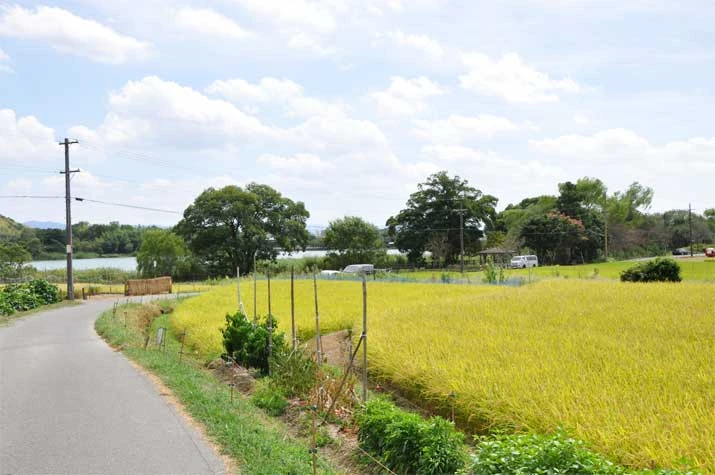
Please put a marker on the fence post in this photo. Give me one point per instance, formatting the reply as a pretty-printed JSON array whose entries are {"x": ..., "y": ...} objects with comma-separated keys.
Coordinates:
[
  {"x": 181, "y": 351},
  {"x": 270, "y": 324},
  {"x": 364, "y": 338},
  {"x": 318, "y": 345},
  {"x": 292, "y": 307}
]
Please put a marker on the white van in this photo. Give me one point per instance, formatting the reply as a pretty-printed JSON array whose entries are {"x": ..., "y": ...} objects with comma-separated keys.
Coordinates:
[
  {"x": 359, "y": 269},
  {"x": 522, "y": 262}
]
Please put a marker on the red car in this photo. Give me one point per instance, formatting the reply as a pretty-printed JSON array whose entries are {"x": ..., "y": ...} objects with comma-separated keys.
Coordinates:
[{"x": 710, "y": 252}]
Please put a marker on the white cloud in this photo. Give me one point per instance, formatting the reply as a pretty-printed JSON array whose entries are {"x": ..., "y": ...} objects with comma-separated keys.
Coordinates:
[
  {"x": 459, "y": 128},
  {"x": 621, "y": 156},
  {"x": 422, "y": 43},
  {"x": 581, "y": 119},
  {"x": 266, "y": 90},
  {"x": 608, "y": 144},
  {"x": 210, "y": 23},
  {"x": 4, "y": 58},
  {"x": 164, "y": 112},
  {"x": 25, "y": 140},
  {"x": 507, "y": 178},
  {"x": 71, "y": 34},
  {"x": 300, "y": 164},
  {"x": 512, "y": 79},
  {"x": 297, "y": 15},
  {"x": 304, "y": 41},
  {"x": 283, "y": 92},
  {"x": 406, "y": 97}
]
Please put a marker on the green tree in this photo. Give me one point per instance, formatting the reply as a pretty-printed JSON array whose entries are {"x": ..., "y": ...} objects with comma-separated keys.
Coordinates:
[
  {"x": 353, "y": 240},
  {"x": 224, "y": 228},
  {"x": 554, "y": 237},
  {"x": 161, "y": 253},
  {"x": 431, "y": 219},
  {"x": 13, "y": 257}
]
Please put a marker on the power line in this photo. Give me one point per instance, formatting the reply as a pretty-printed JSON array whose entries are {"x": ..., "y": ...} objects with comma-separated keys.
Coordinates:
[
  {"x": 125, "y": 205},
  {"x": 31, "y": 196}
]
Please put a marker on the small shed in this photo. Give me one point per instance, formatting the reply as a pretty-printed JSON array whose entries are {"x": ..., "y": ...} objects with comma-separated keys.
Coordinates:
[{"x": 500, "y": 256}]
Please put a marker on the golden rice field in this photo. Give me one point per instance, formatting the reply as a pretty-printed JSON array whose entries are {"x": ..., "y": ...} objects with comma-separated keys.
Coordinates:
[{"x": 630, "y": 368}]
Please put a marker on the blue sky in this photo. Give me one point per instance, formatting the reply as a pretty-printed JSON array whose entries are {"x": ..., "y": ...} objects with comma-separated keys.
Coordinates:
[{"x": 347, "y": 104}]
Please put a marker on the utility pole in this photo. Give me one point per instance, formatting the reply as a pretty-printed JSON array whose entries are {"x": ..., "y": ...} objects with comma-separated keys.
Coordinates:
[
  {"x": 461, "y": 235},
  {"x": 68, "y": 209},
  {"x": 605, "y": 234},
  {"x": 690, "y": 226}
]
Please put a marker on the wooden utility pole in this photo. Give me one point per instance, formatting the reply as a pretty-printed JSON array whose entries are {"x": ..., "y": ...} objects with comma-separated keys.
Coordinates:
[
  {"x": 68, "y": 218},
  {"x": 690, "y": 226},
  {"x": 461, "y": 211}
]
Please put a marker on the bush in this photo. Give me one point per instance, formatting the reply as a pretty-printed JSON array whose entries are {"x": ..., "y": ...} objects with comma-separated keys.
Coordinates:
[
  {"x": 47, "y": 292},
  {"x": 657, "y": 270},
  {"x": 407, "y": 443},
  {"x": 247, "y": 343},
  {"x": 294, "y": 371},
  {"x": 536, "y": 454},
  {"x": 269, "y": 397},
  {"x": 27, "y": 295}
]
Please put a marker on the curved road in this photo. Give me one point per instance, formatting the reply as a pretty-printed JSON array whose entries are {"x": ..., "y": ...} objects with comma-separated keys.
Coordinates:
[{"x": 71, "y": 405}]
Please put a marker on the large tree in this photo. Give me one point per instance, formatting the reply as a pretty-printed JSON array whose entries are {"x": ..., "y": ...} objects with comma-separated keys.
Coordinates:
[
  {"x": 431, "y": 218},
  {"x": 352, "y": 240},
  {"x": 226, "y": 228}
]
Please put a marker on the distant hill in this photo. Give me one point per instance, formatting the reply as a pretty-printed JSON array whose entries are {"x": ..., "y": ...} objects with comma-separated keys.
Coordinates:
[
  {"x": 44, "y": 225},
  {"x": 9, "y": 228}
]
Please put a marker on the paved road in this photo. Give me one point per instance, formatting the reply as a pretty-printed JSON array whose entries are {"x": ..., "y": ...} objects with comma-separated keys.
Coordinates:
[{"x": 71, "y": 405}]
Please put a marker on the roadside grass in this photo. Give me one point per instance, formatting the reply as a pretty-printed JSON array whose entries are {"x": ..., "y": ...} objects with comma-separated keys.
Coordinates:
[
  {"x": 257, "y": 443},
  {"x": 7, "y": 319}
]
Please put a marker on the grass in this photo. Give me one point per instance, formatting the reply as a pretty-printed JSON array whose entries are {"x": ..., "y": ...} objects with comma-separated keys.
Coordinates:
[
  {"x": 626, "y": 367},
  {"x": 258, "y": 444}
]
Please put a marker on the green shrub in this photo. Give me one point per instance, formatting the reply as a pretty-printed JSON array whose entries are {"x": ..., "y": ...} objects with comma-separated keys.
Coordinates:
[
  {"x": 294, "y": 371},
  {"x": 47, "y": 292},
  {"x": 526, "y": 454},
  {"x": 407, "y": 443},
  {"x": 247, "y": 343},
  {"x": 657, "y": 270},
  {"x": 536, "y": 454},
  {"x": 27, "y": 295},
  {"x": 269, "y": 397}
]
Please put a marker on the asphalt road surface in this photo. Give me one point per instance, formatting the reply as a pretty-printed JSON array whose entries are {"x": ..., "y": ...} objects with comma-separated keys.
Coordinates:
[{"x": 71, "y": 405}]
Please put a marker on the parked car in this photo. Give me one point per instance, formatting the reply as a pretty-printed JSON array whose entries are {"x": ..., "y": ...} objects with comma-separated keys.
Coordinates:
[
  {"x": 359, "y": 269},
  {"x": 329, "y": 272},
  {"x": 681, "y": 252},
  {"x": 522, "y": 262},
  {"x": 710, "y": 252}
]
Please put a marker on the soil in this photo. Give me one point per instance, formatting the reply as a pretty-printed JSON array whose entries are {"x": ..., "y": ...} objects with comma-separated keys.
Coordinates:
[{"x": 343, "y": 449}]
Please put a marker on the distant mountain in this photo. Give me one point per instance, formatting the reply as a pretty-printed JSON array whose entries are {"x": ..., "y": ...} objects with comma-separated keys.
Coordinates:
[{"x": 44, "y": 225}]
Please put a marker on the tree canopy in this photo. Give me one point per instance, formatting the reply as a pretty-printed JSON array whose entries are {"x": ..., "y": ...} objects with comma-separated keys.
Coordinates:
[
  {"x": 431, "y": 218},
  {"x": 353, "y": 240},
  {"x": 225, "y": 228}
]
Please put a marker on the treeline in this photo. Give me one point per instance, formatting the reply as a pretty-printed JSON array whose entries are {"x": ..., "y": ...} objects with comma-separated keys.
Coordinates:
[
  {"x": 89, "y": 240},
  {"x": 237, "y": 228}
]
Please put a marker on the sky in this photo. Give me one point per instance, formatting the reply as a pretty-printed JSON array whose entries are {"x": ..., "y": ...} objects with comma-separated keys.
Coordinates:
[{"x": 346, "y": 105}]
